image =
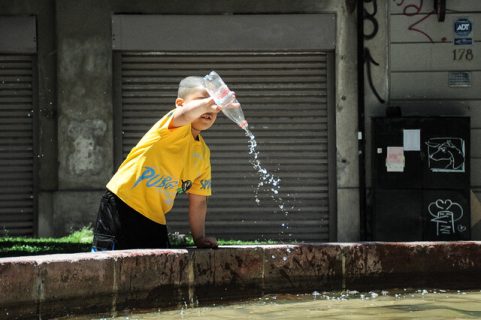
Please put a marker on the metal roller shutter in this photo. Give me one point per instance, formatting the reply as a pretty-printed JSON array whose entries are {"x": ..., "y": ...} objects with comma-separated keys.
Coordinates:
[
  {"x": 16, "y": 145},
  {"x": 284, "y": 98}
]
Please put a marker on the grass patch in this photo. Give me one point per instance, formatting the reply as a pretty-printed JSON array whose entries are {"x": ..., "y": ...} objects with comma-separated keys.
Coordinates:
[
  {"x": 185, "y": 240},
  {"x": 78, "y": 241},
  {"x": 81, "y": 241},
  {"x": 243, "y": 242}
]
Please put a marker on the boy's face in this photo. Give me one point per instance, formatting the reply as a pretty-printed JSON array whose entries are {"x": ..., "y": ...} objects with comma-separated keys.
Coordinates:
[{"x": 207, "y": 119}]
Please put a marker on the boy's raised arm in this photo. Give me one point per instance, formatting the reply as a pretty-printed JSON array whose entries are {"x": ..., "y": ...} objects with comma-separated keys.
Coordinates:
[{"x": 187, "y": 112}]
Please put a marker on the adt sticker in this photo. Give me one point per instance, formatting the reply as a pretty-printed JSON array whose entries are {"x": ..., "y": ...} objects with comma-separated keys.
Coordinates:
[{"x": 463, "y": 27}]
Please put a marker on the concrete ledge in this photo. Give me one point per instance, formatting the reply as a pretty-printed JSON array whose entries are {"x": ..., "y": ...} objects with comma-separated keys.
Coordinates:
[{"x": 57, "y": 285}]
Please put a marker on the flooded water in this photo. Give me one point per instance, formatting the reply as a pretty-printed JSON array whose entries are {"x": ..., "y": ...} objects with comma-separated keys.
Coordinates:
[{"x": 421, "y": 304}]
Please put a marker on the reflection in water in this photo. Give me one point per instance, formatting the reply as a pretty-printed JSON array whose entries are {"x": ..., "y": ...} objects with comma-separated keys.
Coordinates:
[{"x": 421, "y": 304}]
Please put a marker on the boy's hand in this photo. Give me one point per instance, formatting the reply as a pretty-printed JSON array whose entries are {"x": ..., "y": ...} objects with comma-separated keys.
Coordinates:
[
  {"x": 203, "y": 105},
  {"x": 191, "y": 110},
  {"x": 206, "y": 242}
]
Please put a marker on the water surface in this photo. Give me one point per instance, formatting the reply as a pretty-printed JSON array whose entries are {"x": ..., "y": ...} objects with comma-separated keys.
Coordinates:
[{"x": 421, "y": 304}]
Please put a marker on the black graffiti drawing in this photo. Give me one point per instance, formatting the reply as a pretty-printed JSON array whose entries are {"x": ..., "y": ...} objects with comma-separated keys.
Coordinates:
[
  {"x": 370, "y": 16},
  {"x": 446, "y": 154},
  {"x": 369, "y": 60},
  {"x": 444, "y": 214}
]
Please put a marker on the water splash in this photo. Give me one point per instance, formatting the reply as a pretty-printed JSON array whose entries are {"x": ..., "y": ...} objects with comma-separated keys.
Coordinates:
[{"x": 267, "y": 180}]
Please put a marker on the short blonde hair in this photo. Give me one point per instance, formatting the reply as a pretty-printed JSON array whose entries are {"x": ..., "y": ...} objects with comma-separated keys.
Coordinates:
[{"x": 189, "y": 85}]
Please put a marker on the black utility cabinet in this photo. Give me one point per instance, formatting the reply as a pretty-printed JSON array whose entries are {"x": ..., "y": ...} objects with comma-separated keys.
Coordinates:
[{"x": 421, "y": 179}]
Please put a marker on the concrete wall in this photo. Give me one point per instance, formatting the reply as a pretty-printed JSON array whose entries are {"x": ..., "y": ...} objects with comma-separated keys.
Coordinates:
[
  {"x": 414, "y": 53},
  {"x": 108, "y": 282},
  {"x": 85, "y": 119},
  {"x": 75, "y": 78}
]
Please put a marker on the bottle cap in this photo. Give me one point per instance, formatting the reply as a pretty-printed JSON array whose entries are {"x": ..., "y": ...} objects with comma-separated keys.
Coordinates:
[{"x": 243, "y": 124}]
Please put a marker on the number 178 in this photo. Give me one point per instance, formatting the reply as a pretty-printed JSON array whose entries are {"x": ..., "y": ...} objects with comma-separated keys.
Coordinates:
[{"x": 463, "y": 54}]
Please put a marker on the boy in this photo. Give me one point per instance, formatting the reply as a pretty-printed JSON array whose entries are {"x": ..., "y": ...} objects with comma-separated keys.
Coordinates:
[{"x": 171, "y": 158}]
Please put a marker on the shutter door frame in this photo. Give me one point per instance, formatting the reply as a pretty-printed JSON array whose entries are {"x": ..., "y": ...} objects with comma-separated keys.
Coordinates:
[
  {"x": 18, "y": 40},
  {"x": 131, "y": 32},
  {"x": 331, "y": 147},
  {"x": 20, "y": 227}
]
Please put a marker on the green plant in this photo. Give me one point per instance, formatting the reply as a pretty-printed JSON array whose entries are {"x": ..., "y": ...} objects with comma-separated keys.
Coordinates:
[
  {"x": 81, "y": 240},
  {"x": 78, "y": 241},
  {"x": 178, "y": 240},
  {"x": 84, "y": 235}
]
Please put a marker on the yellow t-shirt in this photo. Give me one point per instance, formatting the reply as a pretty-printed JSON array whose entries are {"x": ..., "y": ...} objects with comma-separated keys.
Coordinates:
[{"x": 163, "y": 163}]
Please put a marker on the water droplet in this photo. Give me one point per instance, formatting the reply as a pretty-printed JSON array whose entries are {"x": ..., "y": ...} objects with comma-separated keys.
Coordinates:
[
  {"x": 266, "y": 179},
  {"x": 273, "y": 256},
  {"x": 284, "y": 258}
]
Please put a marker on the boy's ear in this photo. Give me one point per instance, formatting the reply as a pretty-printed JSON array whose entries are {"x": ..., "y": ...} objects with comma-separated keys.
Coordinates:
[{"x": 179, "y": 102}]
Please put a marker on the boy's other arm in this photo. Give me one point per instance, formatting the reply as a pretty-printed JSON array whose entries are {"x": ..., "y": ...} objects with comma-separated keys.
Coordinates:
[
  {"x": 189, "y": 111},
  {"x": 197, "y": 214}
]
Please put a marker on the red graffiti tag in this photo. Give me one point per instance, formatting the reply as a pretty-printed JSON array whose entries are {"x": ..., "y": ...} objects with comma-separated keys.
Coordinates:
[{"x": 412, "y": 9}]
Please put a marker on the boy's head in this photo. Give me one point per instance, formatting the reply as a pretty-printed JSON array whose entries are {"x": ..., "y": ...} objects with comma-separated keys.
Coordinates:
[
  {"x": 192, "y": 88},
  {"x": 190, "y": 85}
]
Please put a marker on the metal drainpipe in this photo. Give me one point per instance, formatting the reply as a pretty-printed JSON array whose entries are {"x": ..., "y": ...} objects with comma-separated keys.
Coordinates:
[{"x": 360, "y": 121}]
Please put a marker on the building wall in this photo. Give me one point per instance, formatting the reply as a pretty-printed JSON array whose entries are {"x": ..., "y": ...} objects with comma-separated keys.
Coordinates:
[
  {"x": 75, "y": 78},
  {"x": 415, "y": 53}
]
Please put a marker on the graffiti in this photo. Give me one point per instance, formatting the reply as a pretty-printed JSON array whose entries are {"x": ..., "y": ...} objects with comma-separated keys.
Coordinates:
[
  {"x": 444, "y": 214},
  {"x": 369, "y": 60},
  {"x": 446, "y": 154},
  {"x": 370, "y": 16},
  {"x": 412, "y": 9}
]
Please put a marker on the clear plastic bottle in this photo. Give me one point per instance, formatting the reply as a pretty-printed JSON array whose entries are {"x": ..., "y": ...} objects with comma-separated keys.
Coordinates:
[{"x": 224, "y": 97}]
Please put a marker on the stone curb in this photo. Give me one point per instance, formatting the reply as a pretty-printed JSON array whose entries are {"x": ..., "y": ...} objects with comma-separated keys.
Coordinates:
[{"x": 66, "y": 284}]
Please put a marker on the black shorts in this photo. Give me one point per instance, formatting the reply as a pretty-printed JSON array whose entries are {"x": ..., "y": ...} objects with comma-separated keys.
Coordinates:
[{"x": 118, "y": 227}]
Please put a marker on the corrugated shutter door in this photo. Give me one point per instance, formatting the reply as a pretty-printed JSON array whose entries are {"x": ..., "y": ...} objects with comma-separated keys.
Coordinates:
[
  {"x": 16, "y": 145},
  {"x": 284, "y": 98}
]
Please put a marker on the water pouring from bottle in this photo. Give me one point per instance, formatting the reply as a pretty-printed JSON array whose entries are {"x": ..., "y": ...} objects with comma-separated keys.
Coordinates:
[{"x": 225, "y": 98}]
